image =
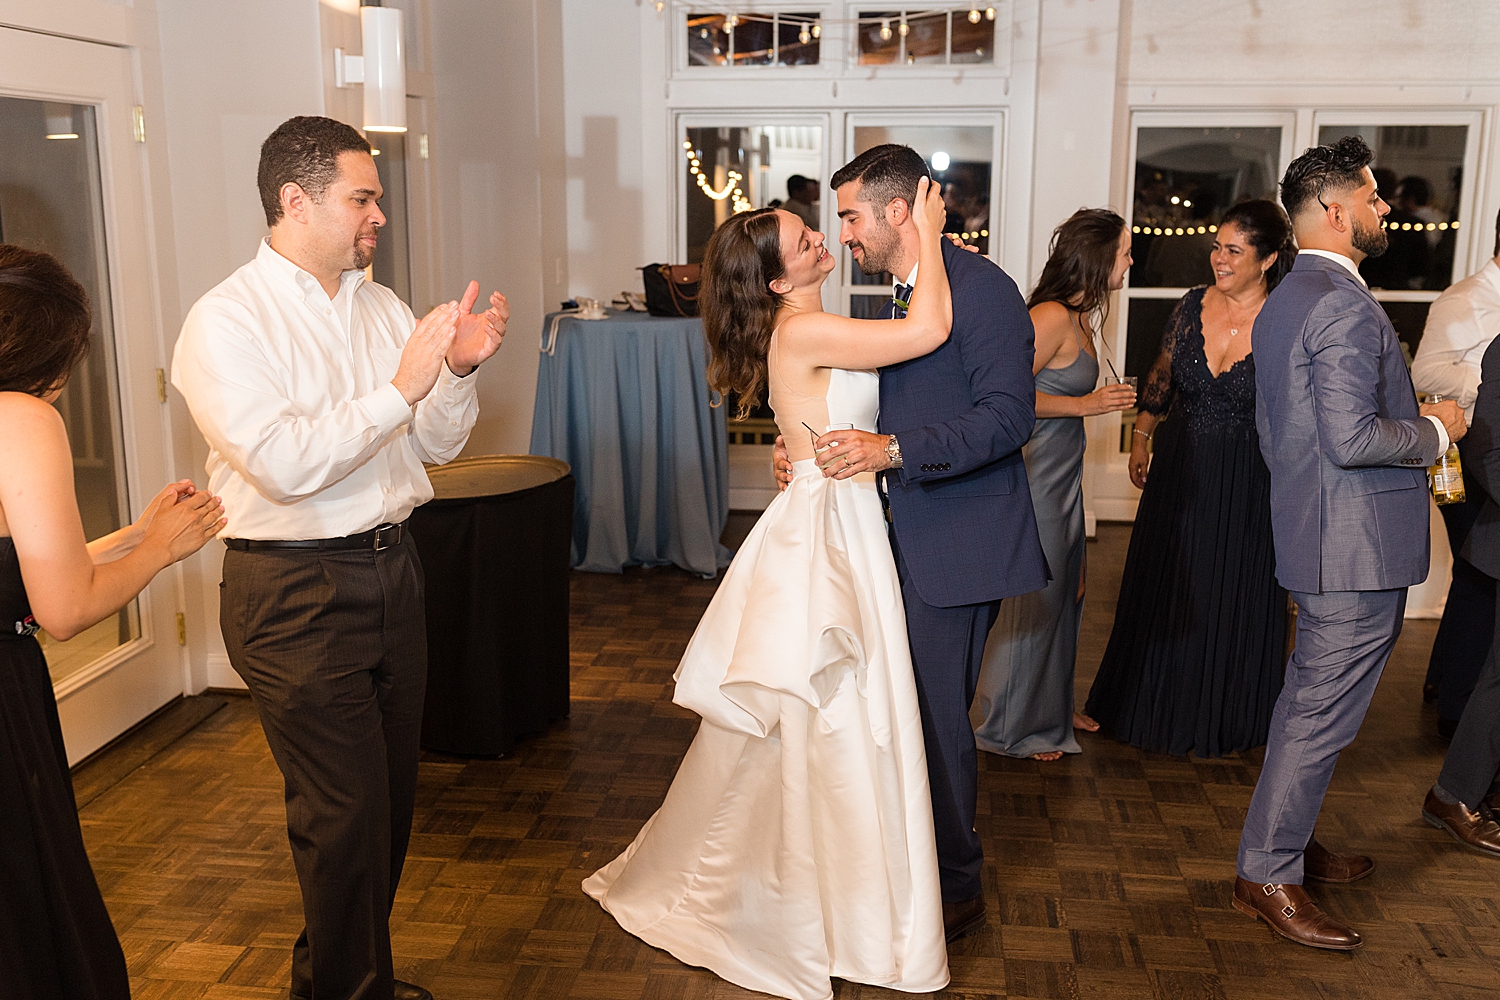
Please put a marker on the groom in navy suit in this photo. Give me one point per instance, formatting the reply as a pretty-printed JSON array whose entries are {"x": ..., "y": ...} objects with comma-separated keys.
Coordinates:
[
  {"x": 962, "y": 530},
  {"x": 1348, "y": 448}
]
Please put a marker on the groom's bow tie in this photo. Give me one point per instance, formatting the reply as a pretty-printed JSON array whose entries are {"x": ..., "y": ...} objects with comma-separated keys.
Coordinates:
[{"x": 902, "y": 300}]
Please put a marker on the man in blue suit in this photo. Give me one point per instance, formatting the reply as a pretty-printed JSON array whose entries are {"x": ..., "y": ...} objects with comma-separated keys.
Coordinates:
[
  {"x": 1347, "y": 447},
  {"x": 952, "y": 426}
]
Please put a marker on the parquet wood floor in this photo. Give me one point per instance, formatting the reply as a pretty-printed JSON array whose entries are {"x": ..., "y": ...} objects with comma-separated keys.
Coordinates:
[{"x": 1107, "y": 876}]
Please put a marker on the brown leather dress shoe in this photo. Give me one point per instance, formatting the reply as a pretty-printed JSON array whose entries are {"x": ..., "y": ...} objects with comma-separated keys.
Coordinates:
[
  {"x": 960, "y": 919},
  {"x": 411, "y": 991},
  {"x": 1322, "y": 865},
  {"x": 1476, "y": 830},
  {"x": 1291, "y": 913}
]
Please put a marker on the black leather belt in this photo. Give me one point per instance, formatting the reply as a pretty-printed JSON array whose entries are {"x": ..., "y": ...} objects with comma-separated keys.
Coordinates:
[{"x": 381, "y": 537}]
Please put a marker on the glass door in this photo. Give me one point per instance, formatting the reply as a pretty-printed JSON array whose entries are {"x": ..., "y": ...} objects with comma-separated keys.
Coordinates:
[
  {"x": 961, "y": 154},
  {"x": 50, "y": 199},
  {"x": 71, "y": 184}
]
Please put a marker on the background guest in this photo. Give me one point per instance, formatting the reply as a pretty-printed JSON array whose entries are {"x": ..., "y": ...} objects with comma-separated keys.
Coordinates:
[
  {"x": 1460, "y": 326},
  {"x": 1194, "y": 661},
  {"x": 321, "y": 397},
  {"x": 802, "y": 200},
  {"x": 1458, "y": 801},
  {"x": 1023, "y": 706},
  {"x": 56, "y": 939}
]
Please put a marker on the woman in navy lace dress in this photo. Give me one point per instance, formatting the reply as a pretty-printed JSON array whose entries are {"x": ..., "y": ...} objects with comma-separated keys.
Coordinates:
[{"x": 1195, "y": 660}]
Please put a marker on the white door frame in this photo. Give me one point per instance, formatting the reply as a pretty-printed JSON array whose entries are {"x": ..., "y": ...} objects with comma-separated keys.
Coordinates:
[{"x": 119, "y": 689}]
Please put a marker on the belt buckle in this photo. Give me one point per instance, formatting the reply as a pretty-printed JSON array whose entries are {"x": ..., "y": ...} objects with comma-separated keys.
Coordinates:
[{"x": 387, "y": 535}]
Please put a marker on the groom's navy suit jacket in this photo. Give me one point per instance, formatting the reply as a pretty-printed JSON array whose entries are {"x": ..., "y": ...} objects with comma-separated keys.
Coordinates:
[{"x": 960, "y": 504}]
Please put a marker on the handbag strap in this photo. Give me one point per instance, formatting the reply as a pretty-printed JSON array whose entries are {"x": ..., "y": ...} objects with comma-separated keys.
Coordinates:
[{"x": 666, "y": 272}]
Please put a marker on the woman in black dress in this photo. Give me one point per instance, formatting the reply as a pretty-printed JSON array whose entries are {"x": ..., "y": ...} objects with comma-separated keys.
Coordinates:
[
  {"x": 56, "y": 939},
  {"x": 1196, "y": 657}
]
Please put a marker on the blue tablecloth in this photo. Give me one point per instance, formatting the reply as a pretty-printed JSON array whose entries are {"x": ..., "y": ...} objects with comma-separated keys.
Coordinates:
[{"x": 624, "y": 401}]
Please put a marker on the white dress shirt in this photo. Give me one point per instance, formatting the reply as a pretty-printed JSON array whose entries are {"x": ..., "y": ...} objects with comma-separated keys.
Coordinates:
[
  {"x": 1347, "y": 263},
  {"x": 307, "y": 436},
  {"x": 1460, "y": 325}
]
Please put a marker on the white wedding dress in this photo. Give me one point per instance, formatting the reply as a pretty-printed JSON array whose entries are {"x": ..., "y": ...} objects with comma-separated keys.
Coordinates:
[{"x": 796, "y": 841}]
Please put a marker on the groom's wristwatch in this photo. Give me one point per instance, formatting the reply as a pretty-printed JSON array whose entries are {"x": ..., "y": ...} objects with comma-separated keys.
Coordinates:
[{"x": 893, "y": 451}]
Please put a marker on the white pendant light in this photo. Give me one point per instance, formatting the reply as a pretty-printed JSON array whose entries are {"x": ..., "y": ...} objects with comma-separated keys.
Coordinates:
[{"x": 382, "y": 68}]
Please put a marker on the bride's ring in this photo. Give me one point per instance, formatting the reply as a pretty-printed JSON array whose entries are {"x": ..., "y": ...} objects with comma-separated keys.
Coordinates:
[{"x": 846, "y": 461}]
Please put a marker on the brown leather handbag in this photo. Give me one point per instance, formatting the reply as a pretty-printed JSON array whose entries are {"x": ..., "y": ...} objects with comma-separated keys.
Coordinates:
[{"x": 671, "y": 289}]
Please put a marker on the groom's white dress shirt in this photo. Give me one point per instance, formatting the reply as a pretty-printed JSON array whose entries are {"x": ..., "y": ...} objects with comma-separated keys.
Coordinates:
[{"x": 307, "y": 436}]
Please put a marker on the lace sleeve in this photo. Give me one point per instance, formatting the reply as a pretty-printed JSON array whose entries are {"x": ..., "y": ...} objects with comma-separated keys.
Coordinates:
[{"x": 1156, "y": 397}]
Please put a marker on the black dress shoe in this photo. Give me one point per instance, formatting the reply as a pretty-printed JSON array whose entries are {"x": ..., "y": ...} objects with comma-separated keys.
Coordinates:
[
  {"x": 963, "y": 918},
  {"x": 411, "y": 991},
  {"x": 1322, "y": 865}
]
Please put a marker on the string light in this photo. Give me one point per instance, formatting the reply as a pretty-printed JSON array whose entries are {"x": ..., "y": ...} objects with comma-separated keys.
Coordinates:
[
  {"x": 804, "y": 36},
  {"x": 974, "y": 15},
  {"x": 885, "y": 31},
  {"x": 989, "y": 13},
  {"x": 817, "y": 31},
  {"x": 904, "y": 28}
]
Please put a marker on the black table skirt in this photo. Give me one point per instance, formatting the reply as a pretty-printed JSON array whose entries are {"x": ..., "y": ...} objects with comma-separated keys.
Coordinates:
[{"x": 497, "y": 616}]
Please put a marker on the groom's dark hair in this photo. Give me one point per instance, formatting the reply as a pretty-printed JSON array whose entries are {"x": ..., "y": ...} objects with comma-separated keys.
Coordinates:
[{"x": 885, "y": 173}]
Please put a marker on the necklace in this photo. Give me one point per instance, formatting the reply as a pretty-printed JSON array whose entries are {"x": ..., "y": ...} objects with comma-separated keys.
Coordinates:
[{"x": 1234, "y": 331}]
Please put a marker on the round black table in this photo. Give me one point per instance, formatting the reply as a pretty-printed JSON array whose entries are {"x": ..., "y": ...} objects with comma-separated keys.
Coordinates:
[{"x": 495, "y": 544}]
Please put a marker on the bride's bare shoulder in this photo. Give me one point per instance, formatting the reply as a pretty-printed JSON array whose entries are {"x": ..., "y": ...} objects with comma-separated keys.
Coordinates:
[{"x": 22, "y": 408}]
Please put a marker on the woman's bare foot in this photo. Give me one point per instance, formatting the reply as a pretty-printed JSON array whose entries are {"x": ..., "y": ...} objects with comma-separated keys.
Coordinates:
[
  {"x": 1081, "y": 721},
  {"x": 1049, "y": 755}
]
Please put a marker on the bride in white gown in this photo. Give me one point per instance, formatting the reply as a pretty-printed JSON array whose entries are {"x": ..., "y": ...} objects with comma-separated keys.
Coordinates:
[{"x": 796, "y": 841}]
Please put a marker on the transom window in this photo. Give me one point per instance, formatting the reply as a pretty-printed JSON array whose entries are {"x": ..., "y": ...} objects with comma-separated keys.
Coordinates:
[
  {"x": 926, "y": 37},
  {"x": 780, "y": 38}
]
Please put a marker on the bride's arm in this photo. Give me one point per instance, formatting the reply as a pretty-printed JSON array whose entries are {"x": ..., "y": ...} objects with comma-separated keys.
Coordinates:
[{"x": 826, "y": 340}]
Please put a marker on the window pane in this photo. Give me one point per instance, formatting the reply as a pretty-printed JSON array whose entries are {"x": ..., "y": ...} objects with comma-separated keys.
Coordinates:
[
  {"x": 927, "y": 38},
  {"x": 798, "y": 39},
  {"x": 51, "y": 199},
  {"x": 1143, "y": 333},
  {"x": 392, "y": 263},
  {"x": 879, "y": 41},
  {"x": 1419, "y": 172},
  {"x": 973, "y": 41},
  {"x": 708, "y": 42},
  {"x": 753, "y": 37},
  {"x": 1185, "y": 178},
  {"x": 868, "y": 306},
  {"x": 762, "y": 156},
  {"x": 965, "y": 154}
]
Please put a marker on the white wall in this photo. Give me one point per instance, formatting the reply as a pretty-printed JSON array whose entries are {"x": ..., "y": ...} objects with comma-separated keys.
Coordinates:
[
  {"x": 602, "y": 109},
  {"x": 498, "y": 141},
  {"x": 219, "y": 102}
]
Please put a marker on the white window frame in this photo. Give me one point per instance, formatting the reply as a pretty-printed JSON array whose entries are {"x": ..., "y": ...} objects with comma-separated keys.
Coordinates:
[
  {"x": 994, "y": 120},
  {"x": 829, "y": 50},
  {"x": 740, "y": 118},
  {"x": 999, "y": 54},
  {"x": 1467, "y": 245}
]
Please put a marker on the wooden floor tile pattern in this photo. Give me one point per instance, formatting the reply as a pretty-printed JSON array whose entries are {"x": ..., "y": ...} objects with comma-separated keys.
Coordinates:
[{"x": 1108, "y": 873}]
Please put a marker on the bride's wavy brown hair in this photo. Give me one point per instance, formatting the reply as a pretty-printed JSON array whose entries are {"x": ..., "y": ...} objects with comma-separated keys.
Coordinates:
[{"x": 738, "y": 307}]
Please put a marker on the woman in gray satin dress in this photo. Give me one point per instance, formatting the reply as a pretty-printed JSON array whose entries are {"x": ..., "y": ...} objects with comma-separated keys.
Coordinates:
[{"x": 1023, "y": 706}]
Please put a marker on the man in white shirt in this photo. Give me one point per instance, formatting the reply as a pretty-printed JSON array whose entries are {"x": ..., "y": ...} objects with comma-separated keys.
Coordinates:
[
  {"x": 320, "y": 397},
  {"x": 1460, "y": 326}
]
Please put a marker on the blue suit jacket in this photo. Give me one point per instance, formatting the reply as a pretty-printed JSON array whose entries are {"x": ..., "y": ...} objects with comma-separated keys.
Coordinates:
[
  {"x": 1340, "y": 432},
  {"x": 960, "y": 504}
]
